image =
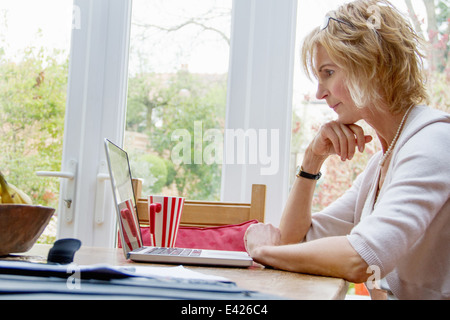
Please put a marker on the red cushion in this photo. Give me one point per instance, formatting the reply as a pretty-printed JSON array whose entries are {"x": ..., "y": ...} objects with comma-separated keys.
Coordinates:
[{"x": 228, "y": 237}]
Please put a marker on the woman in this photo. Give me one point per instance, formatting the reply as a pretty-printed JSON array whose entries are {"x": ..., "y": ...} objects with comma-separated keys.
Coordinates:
[{"x": 391, "y": 228}]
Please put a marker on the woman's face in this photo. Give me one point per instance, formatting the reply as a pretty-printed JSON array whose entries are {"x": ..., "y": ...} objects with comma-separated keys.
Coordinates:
[{"x": 333, "y": 89}]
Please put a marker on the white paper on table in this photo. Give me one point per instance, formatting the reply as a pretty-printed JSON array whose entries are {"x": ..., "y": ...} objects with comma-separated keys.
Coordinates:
[
  {"x": 104, "y": 270},
  {"x": 178, "y": 272}
]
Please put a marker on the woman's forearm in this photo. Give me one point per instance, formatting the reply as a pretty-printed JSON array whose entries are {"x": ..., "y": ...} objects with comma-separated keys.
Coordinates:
[
  {"x": 296, "y": 218},
  {"x": 332, "y": 256},
  {"x": 333, "y": 138}
]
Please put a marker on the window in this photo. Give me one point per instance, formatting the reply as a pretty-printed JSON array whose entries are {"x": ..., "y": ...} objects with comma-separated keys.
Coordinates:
[
  {"x": 91, "y": 108},
  {"x": 177, "y": 90},
  {"x": 34, "y": 52}
]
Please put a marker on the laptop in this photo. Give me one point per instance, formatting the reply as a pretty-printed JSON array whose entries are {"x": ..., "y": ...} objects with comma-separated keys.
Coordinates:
[{"x": 130, "y": 232}]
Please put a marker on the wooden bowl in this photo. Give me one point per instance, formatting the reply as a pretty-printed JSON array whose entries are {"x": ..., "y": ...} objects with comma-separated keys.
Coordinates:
[{"x": 21, "y": 225}]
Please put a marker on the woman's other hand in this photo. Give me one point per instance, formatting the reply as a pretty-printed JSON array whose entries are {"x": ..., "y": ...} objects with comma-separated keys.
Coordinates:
[{"x": 259, "y": 235}]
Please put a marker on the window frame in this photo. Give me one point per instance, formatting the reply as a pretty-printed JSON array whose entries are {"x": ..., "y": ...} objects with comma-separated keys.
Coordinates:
[{"x": 259, "y": 87}]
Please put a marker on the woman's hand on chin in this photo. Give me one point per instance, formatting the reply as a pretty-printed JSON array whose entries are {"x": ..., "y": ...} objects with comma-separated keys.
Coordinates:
[{"x": 340, "y": 139}]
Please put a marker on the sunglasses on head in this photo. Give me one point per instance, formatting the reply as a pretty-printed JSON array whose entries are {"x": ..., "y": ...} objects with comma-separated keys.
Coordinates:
[{"x": 327, "y": 19}]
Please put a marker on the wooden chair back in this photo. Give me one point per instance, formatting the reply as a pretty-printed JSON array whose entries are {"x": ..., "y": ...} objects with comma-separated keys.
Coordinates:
[{"x": 211, "y": 213}]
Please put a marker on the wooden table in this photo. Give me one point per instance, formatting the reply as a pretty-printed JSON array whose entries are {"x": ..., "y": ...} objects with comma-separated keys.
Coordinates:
[{"x": 285, "y": 284}]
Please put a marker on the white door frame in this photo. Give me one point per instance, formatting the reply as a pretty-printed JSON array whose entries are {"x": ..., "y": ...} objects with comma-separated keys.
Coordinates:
[{"x": 96, "y": 104}]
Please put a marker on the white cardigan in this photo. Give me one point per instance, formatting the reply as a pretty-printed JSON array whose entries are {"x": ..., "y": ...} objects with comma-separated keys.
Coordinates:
[{"x": 406, "y": 233}]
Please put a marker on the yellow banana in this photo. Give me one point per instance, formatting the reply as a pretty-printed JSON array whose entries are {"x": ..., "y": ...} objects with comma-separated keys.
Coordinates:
[
  {"x": 19, "y": 196},
  {"x": 12, "y": 194},
  {"x": 6, "y": 197}
]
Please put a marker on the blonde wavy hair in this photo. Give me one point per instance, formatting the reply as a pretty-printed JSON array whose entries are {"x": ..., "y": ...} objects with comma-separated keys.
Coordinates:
[{"x": 378, "y": 50}]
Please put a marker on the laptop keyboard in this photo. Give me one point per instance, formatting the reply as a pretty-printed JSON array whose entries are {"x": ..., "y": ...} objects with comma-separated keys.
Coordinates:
[{"x": 175, "y": 252}]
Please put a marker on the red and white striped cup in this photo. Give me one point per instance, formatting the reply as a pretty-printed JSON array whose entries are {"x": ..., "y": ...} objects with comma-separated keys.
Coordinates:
[{"x": 164, "y": 215}]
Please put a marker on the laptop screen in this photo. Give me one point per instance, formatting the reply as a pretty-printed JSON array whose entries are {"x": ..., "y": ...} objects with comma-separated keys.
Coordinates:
[{"x": 120, "y": 174}]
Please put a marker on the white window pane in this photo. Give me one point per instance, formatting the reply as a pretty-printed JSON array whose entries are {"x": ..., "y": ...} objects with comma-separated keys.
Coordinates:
[
  {"x": 178, "y": 69},
  {"x": 34, "y": 50}
]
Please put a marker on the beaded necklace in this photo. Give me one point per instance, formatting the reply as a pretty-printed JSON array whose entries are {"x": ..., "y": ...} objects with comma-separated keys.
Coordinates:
[{"x": 394, "y": 141}]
